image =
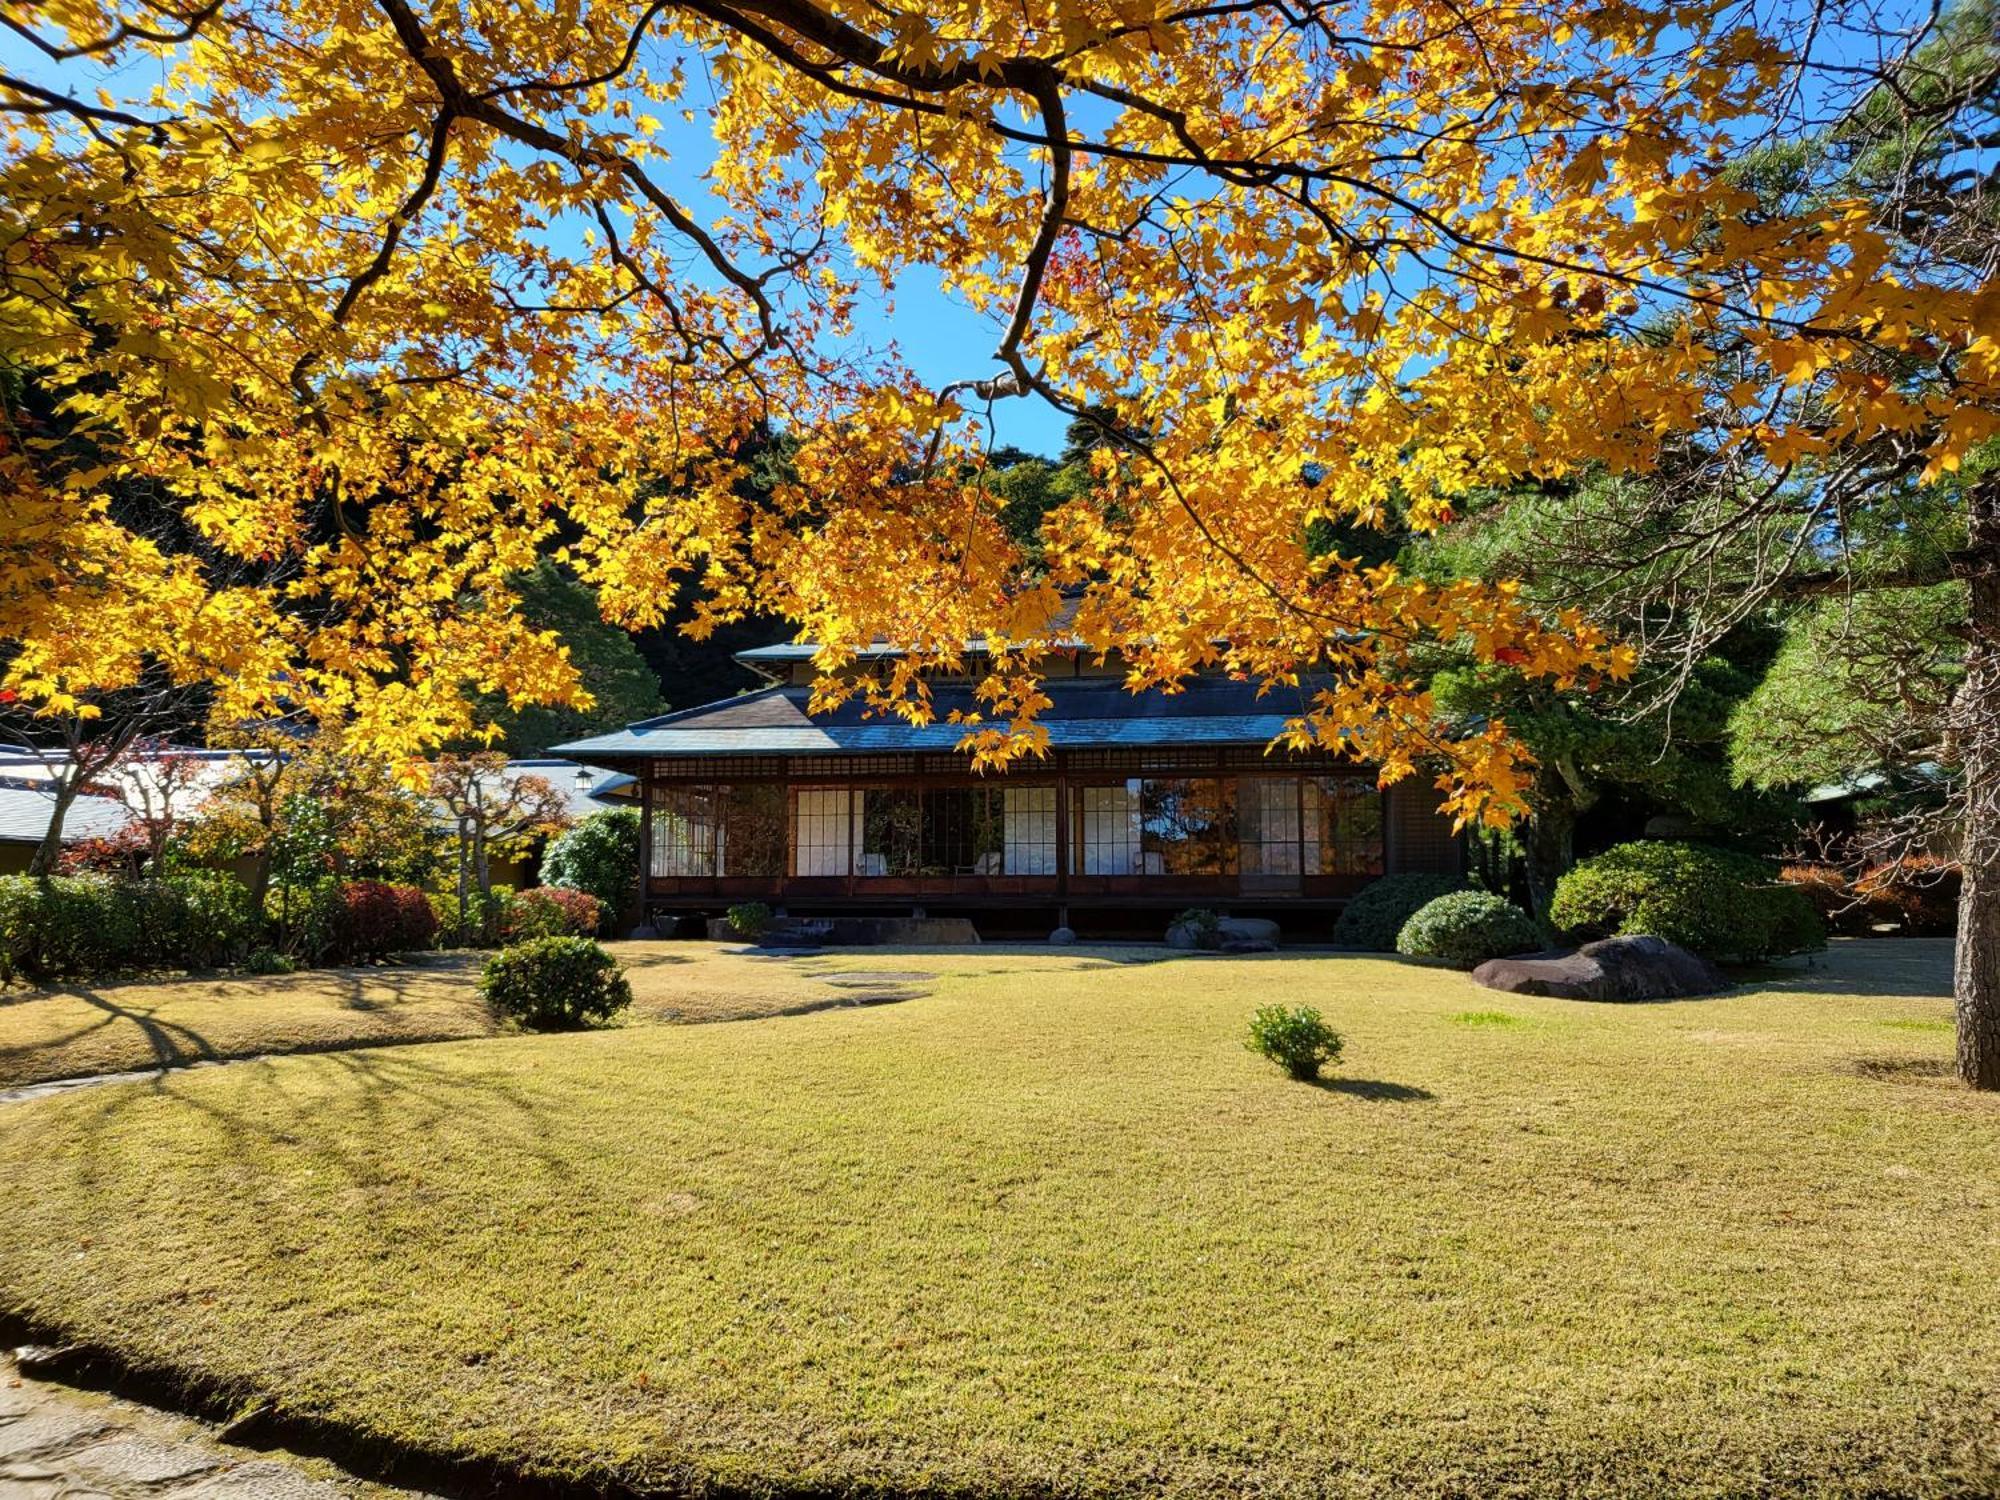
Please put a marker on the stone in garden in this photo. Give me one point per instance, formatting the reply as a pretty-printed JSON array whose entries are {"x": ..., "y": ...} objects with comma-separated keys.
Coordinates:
[
  {"x": 1232, "y": 935},
  {"x": 1063, "y": 936},
  {"x": 141, "y": 1461},
  {"x": 1619, "y": 968},
  {"x": 260, "y": 1481}
]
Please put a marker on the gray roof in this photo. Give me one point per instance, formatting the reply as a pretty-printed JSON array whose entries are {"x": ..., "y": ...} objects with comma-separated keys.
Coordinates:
[
  {"x": 1090, "y": 713},
  {"x": 25, "y": 809},
  {"x": 596, "y": 797}
]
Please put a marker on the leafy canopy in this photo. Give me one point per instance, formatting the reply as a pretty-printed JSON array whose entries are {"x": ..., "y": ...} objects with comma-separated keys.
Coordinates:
[{"x": 392, "y": 298}]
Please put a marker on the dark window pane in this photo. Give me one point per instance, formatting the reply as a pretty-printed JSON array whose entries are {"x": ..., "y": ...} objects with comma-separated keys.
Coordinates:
[
  {"x": 753, "y": 830},
  {"x": 1187, "y": 826},
  {"x": 1347, "y": 812}
]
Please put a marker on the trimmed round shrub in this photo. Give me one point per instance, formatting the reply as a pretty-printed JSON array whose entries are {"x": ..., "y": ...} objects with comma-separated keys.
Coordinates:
[
  {"x": 555, "y": 984},
  {"x": 373, "y": 918},
  {"x": 749, "y": 920},
  {"x": 204, "y": 918},
  {"x": 1724, "y": 906},
  {"x": 549, "y": 911},
  {"x": 67, "y": 926},
  {"x": 1296, "y": 1038},
  {"x": 599, "y": 856},
  {"x": 1374, "y": 918},
  {"x": 1466, "y": 928}
]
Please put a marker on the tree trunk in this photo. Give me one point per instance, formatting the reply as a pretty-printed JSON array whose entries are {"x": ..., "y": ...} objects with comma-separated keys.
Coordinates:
[
  {"x": 1549, "y": 848},
  {"x": 48, "y": 854},
  {"x": 1977, "y": 715}
]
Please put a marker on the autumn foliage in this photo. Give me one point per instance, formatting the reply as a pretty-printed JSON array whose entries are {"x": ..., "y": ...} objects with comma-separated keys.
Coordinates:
[{"x": 375, "y": 302}]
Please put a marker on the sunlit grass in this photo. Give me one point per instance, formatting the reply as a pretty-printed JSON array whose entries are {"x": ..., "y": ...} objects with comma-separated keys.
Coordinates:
[{"x": 1049, "y": 1228}]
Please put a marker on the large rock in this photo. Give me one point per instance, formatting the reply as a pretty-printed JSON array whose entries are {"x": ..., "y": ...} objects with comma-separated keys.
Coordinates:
[
  {"x": 1619, "y": 968},
  {"x": 1232, "y": 935}
]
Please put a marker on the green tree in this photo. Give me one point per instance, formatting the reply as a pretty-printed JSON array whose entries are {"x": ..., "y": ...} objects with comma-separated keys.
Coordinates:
[
  {"x": 1659, "y": 748},
  {"x": 621, "y": 684}
]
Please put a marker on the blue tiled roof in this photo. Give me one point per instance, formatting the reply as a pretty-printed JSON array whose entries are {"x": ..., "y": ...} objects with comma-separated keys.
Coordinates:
[
  {"x": 1089, "y": 713},
  {"x": 25, "y": 809}
]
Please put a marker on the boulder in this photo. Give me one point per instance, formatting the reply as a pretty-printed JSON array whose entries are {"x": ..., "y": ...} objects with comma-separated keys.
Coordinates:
[
  {"x": 1619, "y": 968},
  {"x": 1062, "y": 937},
  {"x": 1232, "y": 935}
]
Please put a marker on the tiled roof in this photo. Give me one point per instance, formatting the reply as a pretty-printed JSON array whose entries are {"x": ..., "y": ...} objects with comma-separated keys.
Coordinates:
[
  {"x": 1092, "y": 713},
  {"x": 25, "y": 808}
]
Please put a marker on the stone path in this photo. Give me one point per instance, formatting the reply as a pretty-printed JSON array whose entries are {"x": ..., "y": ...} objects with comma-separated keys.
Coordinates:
[{"x": 62, "y": 1444}]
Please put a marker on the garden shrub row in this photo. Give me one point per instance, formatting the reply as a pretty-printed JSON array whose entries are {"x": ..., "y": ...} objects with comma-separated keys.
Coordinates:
[
  {"x": 1722, "y": 905},
  {"x": 76, "y": 926},
  {"x": 1918, "y": 895},
  {"x": 83, "y": 926}
]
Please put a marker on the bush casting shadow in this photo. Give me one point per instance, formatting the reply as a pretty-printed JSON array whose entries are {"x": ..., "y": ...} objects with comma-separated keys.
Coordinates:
[{"x": 1375, "y": 1090}]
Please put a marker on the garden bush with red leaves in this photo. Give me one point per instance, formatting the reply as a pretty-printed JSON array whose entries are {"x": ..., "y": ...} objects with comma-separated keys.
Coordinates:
[
  {"x": 550, "y": 911},
  {"x": 1832, "y": 894},
  {"x": 1919, "y": 891},
  {"x": 374, "y": 918}
]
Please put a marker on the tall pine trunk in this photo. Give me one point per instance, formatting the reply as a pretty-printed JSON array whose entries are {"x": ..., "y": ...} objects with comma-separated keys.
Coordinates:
[
  {"x": 1977, "y": 980},
  {"x": 1549, "y": 848}
]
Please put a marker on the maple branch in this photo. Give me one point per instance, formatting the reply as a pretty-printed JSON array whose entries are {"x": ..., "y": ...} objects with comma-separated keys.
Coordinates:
[
  {"x": 48, "y": 101},
  {"x": 126, "y": 32},
  {"x": 444, "y": 77}
]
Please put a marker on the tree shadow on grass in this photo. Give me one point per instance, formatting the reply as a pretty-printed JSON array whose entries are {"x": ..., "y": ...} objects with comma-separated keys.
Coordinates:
[{"x": 1375, "y": 1090}]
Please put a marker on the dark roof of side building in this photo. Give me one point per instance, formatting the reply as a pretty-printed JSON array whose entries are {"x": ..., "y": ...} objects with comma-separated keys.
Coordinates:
[{"x": 1087, "y": 712}]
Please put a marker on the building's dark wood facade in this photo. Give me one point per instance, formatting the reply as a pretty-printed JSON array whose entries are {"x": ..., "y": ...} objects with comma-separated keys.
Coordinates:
[{"x": 1142, "y": 804}]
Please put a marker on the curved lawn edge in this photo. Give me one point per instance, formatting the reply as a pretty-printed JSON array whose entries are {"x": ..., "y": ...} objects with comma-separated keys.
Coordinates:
[
  {"x": 61, "y": 1083},
  {"x": 246, "y": 1416}
]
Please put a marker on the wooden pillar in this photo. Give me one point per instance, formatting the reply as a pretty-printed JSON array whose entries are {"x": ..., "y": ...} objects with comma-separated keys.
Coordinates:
[
  {"x": 637, "y": 916},
  {"x": 1062, "y": 841}
]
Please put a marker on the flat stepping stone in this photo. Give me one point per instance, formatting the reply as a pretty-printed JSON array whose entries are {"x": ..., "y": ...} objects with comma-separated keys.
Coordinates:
[
  {"x": 875, "y": 979},
  {"x": 138, "y": 1460}
]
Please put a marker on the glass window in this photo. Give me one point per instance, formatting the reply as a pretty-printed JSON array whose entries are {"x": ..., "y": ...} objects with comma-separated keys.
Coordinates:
[
  {"x": 1160, "y": 825},
  {"x": 824, "y": 842},
  {"x": 1029, "y": 830},
  {"x": 1107, "y": 829},
  {"x": 753, "y": 829},
  {"x": 684, "y": 819},
  {"x": 1188, "y": 825},
  {"x": 1344, "y": 817},
  {"x": 1269, "y": 817}
]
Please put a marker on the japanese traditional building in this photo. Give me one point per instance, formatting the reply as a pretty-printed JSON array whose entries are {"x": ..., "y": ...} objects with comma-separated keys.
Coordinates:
[{"x": 1145, "y": 804}]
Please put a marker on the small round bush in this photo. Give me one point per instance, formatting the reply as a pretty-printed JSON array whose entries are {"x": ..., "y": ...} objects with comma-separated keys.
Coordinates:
[
  {"x": 555, "y": 984},
  {"x": 599, "y": 856},
  {"x": 1721, "y": 905},
  {"x": 1466, "y": 928},
  {"x": 1296, "y": 1038},
  {"x": 1374, "y": 918},
  {"x": 549, "y": 911},
  {"x": 749, "y": 920},
  {"x": 1202, "y": 926}
]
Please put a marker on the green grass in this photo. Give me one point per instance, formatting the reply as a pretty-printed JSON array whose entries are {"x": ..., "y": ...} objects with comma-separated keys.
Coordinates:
[
  {"x": 1483, "y": 1018},
  {"x": 1050, "y": 1229},
  {"x": 74, "y": 1030}
]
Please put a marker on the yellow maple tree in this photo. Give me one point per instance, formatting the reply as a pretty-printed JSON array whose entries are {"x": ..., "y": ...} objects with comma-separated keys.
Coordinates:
[{"x": 377, "y": 301}]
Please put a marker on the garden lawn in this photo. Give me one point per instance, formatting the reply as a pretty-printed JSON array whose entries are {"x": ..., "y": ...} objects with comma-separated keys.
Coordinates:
[
  {"x": 1051, "y": 1229},
  {"x": 70, "y": 1031}
]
